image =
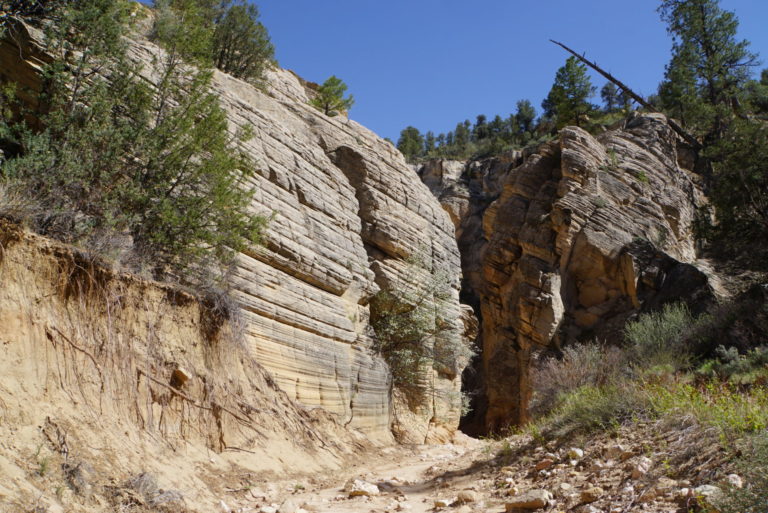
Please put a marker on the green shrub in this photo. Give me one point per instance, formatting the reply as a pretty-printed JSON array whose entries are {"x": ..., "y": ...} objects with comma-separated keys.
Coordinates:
[
  {"x": 590, "y": 408},
  {"x": 412, "y": 329},
  {"x": 737, "y": 368},
  {"x": 156, "y": 168},
  {"x": 727, "y": 407},
  {"x": 580, "y": 364},
  {"x": 657, "y": 340}
]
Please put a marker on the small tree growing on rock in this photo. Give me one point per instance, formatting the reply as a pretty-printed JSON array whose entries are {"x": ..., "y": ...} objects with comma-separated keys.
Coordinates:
[
  {"x": 414, "y": 333},
  {"x": 330, "y": 97},
  {"x": 241, "y": 45}
]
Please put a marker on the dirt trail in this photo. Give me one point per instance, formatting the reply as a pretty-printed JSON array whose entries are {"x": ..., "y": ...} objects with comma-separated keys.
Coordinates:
[
  {"x": 646, "y": 467},
  {"x": 409, "y": 478}
]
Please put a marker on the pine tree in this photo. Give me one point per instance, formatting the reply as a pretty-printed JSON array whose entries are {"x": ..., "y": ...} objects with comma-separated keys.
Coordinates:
[
  {"x": 496, "y": 127},
  {"x": 461, "y": 136},
  {"x": 567, "y": 101},
  {"x": 524, "y": 116},
  {"x": 610, "y": 96},
  {"x": 429, "y": 143},
  {"x": 480, "y": 130},
  {"x": 241, "y": 45},
  {"x": 330, "y": 97},
  {"x": 708, "y": 67},
  {"x": 411, "y": 143}
]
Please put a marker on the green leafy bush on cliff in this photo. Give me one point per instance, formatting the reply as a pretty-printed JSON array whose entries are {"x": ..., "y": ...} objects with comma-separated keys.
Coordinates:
[
  {"x": 154, "y": 170},
  {"x": 413, "y": 331},
  {"x": 330, "y": 97}
]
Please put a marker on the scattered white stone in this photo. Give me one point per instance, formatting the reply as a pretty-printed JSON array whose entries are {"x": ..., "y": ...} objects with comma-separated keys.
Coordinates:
[
  {"x": 615, "y": 451},
  {"x": 224, "y": 507},
  {"x": 574, "y": 453},
  {"x": 707, "y": 495},
  {"x": 591, "y": 494},
  {"x": 268, "y": 509},
  {"x": 532, "y": 499},
  {"x": 442, "y": 503},
  {"x": 465, "y": 497},
  {"x": 642, "y": 467},
  {"x": 734, "y": 480},
  {"x": 358, "y": 487}
]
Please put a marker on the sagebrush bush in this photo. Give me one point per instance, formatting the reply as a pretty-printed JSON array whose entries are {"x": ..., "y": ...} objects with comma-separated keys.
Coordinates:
[
  {"x": 590, "y": 408},
  {"x": 730, "y": 365},
  {"x": 17, "y": 206},
  {"x": 657, "y": 341},
  {"x": 580, "y": 364}
]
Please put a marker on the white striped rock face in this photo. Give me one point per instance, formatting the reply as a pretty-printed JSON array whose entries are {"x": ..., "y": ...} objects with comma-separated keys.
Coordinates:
[{"x": 347, "y": 212}]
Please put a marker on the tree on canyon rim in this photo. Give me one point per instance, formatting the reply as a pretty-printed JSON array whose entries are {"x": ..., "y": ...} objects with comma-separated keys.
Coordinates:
[
  {"x": 708, "y": 87},
  {"x": 567, "y": 101},
  {"x": 330, "y": 97}
]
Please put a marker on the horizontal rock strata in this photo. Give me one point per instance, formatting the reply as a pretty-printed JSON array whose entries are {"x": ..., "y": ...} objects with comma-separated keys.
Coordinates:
[
  {"x": 565, "y": 242},
  {"x": 348, "y": 213}
]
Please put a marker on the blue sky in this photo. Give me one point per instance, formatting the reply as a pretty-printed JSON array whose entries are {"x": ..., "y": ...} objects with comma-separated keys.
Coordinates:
[{"x": 432, "y": 63}]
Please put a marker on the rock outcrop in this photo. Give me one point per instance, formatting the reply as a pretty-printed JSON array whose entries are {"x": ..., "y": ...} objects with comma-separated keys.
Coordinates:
[
  {"x": 348, "y": 213},
  {"x": 566, "y": 242}
]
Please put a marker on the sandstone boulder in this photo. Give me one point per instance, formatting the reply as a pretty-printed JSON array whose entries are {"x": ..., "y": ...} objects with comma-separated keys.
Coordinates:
[{"x": 532, "y": 499}]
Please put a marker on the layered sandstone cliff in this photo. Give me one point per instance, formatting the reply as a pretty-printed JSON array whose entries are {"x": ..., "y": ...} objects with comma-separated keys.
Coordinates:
[
  {"x": 567, "y": 241},
  {"x": 349, "y": 214}
]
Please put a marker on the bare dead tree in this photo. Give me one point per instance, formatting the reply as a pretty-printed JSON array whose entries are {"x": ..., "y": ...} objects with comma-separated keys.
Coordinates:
[{"x": 687, "y": 137}]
